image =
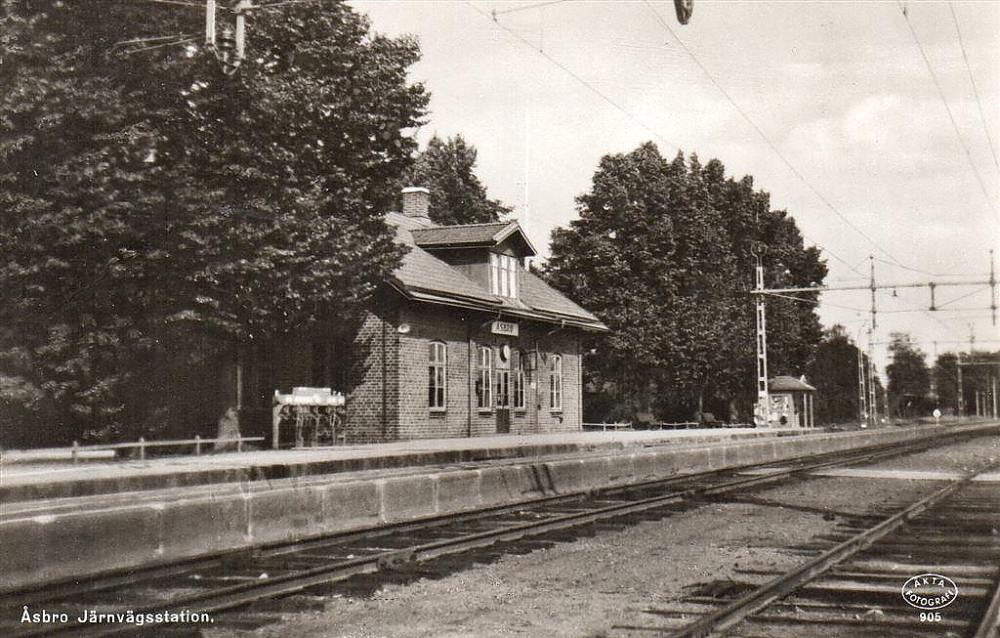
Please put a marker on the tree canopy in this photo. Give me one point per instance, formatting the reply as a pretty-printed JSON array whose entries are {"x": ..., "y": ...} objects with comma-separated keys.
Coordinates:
[
  {"x": 147, "y": 198},
  {"x": 945, "y": 376},
  {"x": 663, "y": 253},
  {"x": 834, "y": 373},
  {"x": 447, "y": 169},
  {"x": 908, "y": 374}
]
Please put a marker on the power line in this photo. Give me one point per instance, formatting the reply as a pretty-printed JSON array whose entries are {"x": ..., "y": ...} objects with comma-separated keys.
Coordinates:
[
  {"x": 766, "y": 139},
  {"x": 575, "y": 76},
  {"x": 178, "y": 2},
  {"x": 181, "y": 40},
  {"x": 618, "y": 106},
  {"x": 972, "y": 79},
  {"x": 831, "y": 253},
  {"x": 916, "y": 270},
  {"x": 951, "y": 116},
  {"x": 537, "y": 5}
]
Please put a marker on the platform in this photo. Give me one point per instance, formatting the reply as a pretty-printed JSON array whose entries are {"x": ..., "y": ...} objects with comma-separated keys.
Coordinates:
[
  {"x": 138, "y": 514},
  {"x": 32, "y": 475}
]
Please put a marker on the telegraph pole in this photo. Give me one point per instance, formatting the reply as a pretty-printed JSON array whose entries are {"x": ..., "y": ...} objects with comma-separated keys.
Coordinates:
[
  {"x": 763, "y": 406},
  {"x": 993, "y": 291},
  {"x": 872, "y": 396},
  {"x": 763, "y": 400},
  {"x": 862, "y": 390},
  {"x": 961, "y": 390}
]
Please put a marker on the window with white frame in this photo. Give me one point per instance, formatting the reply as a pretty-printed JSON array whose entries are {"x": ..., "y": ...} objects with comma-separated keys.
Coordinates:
[
  {"x": 503, "y": 275},
  {"x": 555, "y": 382},
  {"x": 437, "y": 382},
  {"x": 484, "y": 383},
  {"x": 502, "y": 392},
  {"x": 517, "y": 370}
]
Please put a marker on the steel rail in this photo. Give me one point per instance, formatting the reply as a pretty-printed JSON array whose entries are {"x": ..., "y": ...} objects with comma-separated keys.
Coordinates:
[
  {"x": 989, "y": 626},
  {"x": 102, "y": 582},
  {"x": 740, "y": 609},
  {"x": 237, "y": 595},
  {"x": 247, "y": 592}
]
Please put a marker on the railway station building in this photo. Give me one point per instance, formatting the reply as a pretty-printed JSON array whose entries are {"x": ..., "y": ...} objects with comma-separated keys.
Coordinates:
[{"x": 462, "y": 341}]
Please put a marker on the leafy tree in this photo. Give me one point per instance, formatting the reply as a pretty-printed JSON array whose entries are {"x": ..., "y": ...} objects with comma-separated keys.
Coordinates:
[
  {"x": 945, "y": 375},
  {"x": 663, "y": 252},
  {"x": 909, "y": 377},
  {"x": 152, "y": 205},
  {"x": 978, "y": 378},
  {"x": 447, "y": 169},
  {"x": 834, "y": 373}
]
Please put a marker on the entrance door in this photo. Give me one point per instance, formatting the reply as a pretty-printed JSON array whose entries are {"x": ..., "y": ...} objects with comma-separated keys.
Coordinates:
[{"x": 502, "y": 389}]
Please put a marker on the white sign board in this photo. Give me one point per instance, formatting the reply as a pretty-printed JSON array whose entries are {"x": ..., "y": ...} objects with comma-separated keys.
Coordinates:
[{"x": 506, "y": 328}]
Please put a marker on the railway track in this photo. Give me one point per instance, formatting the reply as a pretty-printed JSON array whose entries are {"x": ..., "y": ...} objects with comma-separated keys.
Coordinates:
[
  {"x": 948, "y": 543},
  {"x": 118, "y": 603}
]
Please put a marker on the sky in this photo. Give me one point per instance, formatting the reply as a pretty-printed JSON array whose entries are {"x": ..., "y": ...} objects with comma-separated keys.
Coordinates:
[{"x": 874, "y": 124}]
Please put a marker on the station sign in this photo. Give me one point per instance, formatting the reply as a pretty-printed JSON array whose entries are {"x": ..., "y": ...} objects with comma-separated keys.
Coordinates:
[{"x": 505, "y": 328}]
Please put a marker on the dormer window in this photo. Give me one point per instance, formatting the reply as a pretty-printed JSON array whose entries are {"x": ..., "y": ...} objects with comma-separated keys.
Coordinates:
[{"x": 503, "y": 275}]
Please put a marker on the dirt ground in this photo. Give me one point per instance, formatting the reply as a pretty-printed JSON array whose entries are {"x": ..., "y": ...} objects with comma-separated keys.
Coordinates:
[{"x": 587, "y": 587}]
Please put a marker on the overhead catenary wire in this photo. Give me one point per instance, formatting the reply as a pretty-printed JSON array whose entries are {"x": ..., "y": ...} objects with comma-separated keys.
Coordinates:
[
  {"x": 947, "y": 108},
  {"x": 183, "y": 3},
  {"x": 172, "y": 43},
  {"x": 972, "y": 80},
  {"x": 663, "y": 23},
  {"x": 575, "y": 76},
  {"x": 537, "y": 5},
  {"x": 648, "y": 128}
]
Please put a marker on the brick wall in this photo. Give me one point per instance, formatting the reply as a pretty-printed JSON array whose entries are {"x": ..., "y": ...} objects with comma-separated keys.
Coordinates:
[
  {"x": 373, "y": 402},
  {"x": 401, "y": 373},
  {"x": 546, "y": 340}
]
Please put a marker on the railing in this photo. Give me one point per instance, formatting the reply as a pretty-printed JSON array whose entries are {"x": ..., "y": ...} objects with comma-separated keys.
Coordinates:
[
  {"x": 142, "y": 444},
  {"x": 607, "y": 426},
  {"x": 656, "y": 425}
]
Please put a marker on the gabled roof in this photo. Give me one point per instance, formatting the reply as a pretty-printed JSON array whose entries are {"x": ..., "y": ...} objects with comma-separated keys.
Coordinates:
[
  {"x": 472, "y": 235},
  {"x": 424, "y": 277}
]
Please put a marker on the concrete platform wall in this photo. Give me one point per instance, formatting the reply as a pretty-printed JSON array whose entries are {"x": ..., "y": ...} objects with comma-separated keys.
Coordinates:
[{"x": 47, "y": 548}]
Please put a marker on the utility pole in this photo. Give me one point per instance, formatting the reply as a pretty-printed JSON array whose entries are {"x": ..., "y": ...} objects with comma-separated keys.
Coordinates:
[
  {"x": 763, "y": 400},
  {"x": 993, "y": 291},
  {"x": 862, "y": 390},
  {"x": 872, "y": 396},
  {"x": 961, "y": 390},
  {"x": 228, "y": 47},
  {"x": 763, "y": 407},
  {"x": 993, "y": 388}
]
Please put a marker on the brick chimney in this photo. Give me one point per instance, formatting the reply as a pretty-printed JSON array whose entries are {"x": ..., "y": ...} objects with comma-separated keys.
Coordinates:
[{"x": 416, "y": 200}]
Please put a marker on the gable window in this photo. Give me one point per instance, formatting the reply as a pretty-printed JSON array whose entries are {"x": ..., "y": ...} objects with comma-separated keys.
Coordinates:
[
  {"x": 484, "y": 397},
  {"x": 437, "y": 382},
  {"x": 555, "y": 382},
  {"x": 503, "y": 275}
]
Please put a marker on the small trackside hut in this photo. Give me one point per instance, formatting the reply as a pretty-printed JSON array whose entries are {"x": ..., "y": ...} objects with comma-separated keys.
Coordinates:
[
  {"x": 791, "y": 402},
  {"x": 462, "y": 341}
]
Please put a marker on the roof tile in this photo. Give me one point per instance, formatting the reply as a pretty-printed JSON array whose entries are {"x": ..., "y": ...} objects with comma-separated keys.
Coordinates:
[{"x": 422, "y": 272}]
